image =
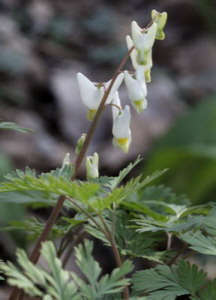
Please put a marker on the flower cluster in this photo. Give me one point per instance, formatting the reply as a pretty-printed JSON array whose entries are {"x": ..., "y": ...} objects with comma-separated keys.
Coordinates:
[{"x": 139, "y": 45}]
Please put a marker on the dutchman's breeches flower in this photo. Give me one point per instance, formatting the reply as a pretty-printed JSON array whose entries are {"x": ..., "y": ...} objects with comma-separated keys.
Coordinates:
[
  {"x": 116, "y": 105},
  {"x": 143, "y": 41},
  {"x": 92, "y": 163},
  {"x": 140, "y": 45},
  {"x": 92, "y": 94},
  {"x": 160, "y": 19},
  {"x": 121, "y": 130},
  {"x": 137, "y": 92},
  {"x": 137, "y": 62}
]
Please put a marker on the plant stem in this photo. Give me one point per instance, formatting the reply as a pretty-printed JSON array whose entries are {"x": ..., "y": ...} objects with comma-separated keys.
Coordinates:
[
  {"x": 109, "y": 235},
  {"x": 71, "y": 247},
  {"x": 66, "y": 239},
  {"x": 15, "y": 295},
  {"x": 179, "y": 253},
  {"x": 111, "y": 238}
]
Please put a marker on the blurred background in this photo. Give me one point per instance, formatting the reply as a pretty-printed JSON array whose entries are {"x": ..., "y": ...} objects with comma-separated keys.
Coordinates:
[{"x": 44, "y": 43}]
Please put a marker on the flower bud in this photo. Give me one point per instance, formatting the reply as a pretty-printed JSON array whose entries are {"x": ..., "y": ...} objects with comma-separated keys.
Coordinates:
[
  {"x": 160, "y": 19},
  {"x": 66, "y": 160},
  {"x": 80, "y": 143},
  {"x": 92, "y": 166},
  {"x": 121, "y": 130}
]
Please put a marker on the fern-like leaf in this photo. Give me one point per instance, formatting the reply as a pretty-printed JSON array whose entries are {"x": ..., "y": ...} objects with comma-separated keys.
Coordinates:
[
  {"x": 163, "y": 282},
  {"x": 200, "y": 243}
]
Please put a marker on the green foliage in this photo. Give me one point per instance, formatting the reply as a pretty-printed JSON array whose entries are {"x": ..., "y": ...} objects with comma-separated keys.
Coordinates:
[
  {"x": 200, "y": 243},
  {"x": 60, "y": 284},
  {"x": 188, "y": 150},
  {"x": 163, "y": 282},
  {"x": 56, "y": 181},
  {"x": 97, "y": 287},
  {"x": 134, "y": 244},
  {"x": 13, "y": 126},
  {"x": 33, "y": 228},
  {"x": 140, "y": 220},
  {"x": 113, "y": 182}
]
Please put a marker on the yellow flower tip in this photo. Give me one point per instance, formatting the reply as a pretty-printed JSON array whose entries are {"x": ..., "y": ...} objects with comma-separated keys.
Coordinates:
[
  {"x": 160, "y": 35},
  {"x": 122, "y": 144},
  {"x": 90, "y": 114},
  {"x": 139, "y": 105},
  {"x": 148, "y": 76}
]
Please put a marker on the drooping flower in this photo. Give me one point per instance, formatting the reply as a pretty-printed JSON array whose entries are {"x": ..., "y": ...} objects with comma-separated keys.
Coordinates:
[
  {"x": 92, "y": 94},
  {"x": 146, "y": 68},
  {"x": 116, "y": 105},
  {"x": 160, "y": 19},
  {"x": 92, "y": 163},
  {"x": 121, "y": 130},
  {"x": 143, "y": 41},
  {"x": 137, "y": 92}
]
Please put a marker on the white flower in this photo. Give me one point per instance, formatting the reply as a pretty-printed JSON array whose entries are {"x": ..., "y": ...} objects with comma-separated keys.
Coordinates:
[
  {"x": 137, "y": 92},
  {"x": 92, "y": 94},
  {"x": 92, "y": 166},
  {"x": 116, "y": 105},
  {"x": 115, "y": 87},
  {"x": 121, "y": 130},
  {"x": 134, "y": 52},
  {"x": 144, "y": 68},
  {"x": 143, "y": 39}
]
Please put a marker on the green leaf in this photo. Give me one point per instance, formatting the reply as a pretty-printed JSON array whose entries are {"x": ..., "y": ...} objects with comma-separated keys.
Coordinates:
[
  {"x": 33, "y": 228},
  {"x": 209, "y": 292},
  {"x": 13, "y": 126},
  {"x": 145, "y": 224},
  {"x": 113, "y": 182},
  {"x": 163, "y": 282},
  {"x": 29, "y": 197},
  {"x": 17, "y": 278},
  {"x": 200, "y": 243},
  {"x": 190, "y": 277},
  {"x": 56, "y": 182},
  {"x": 162, "y": 193},
  {"x": 188, "y": 149},
  {"x": 86, "y": 262},
  {"x": 98, "y": 287},
  {"x": 37, "y": 282},
  {"x": 135, "y": 244},
  {"x": 61, "y": 286}
]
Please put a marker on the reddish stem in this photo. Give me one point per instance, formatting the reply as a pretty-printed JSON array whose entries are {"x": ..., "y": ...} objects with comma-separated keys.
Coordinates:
[{"x": 16, "y": 293}]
